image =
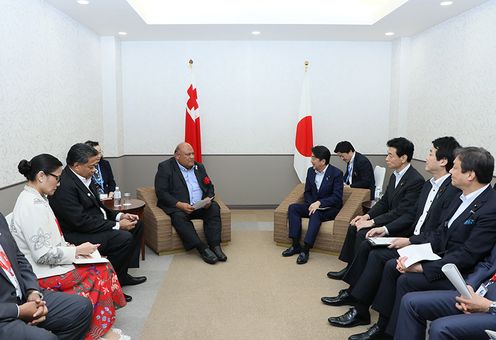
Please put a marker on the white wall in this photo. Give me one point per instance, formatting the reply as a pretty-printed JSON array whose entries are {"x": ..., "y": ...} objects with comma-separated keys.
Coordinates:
[
  {"x": 452, "y": 80},
  {"x": 50, "y": 84},
  {"x": 249, "y": 94}
]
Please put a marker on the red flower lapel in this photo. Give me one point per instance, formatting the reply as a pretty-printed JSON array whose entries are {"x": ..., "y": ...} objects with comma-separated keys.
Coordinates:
[{"x": 206, "y": 180}]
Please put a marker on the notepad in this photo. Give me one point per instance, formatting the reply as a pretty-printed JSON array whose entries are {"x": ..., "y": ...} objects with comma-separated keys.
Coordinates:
[
  {"x": 418, "y": 252},
  {"x": 381, "y": 241},
  {"x": 95, "y": 257},
  {"x": 202, "y": 203}
]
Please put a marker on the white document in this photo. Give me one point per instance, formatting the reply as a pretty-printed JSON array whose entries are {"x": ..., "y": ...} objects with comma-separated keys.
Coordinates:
[
  {"x": 381, "y": 241},
  {"x": 417, "y": 253},
  {"x": 94, "y": 257},
  {"x": 453, "y": 274},
  {"x": 492, "y": 334},
  {"x": 202, "y": 203}
]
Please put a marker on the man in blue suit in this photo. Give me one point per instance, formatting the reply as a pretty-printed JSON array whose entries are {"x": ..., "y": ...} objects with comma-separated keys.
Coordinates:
[
  {"x": 452, "y": 316},
  {"x": 323, "y": 200}
]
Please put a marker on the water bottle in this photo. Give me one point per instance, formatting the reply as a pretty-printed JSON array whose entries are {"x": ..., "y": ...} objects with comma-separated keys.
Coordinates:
[{"x": 117, "y": 197}]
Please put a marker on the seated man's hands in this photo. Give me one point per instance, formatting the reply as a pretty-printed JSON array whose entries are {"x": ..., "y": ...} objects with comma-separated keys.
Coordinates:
[
  {"x": 376, "y": 232},
  {"x": 399, "y": 242},
  {"x": 414, "y": 268},
  {"x": 130, "y": 217},
  {"x": 34, "y": 310},
  {"x": 313, "y": 207},
  {"x": 186, "y": 207},
  {"x": 476, "y": 304},
  {"x": 359, "y": 218},
  {"x": 125, "y": 224},
  {"x": 360, "y": 224}
]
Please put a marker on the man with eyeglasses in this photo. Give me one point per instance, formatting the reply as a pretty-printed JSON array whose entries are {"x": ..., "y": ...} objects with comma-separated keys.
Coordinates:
[{"x": 83, "y": 218}]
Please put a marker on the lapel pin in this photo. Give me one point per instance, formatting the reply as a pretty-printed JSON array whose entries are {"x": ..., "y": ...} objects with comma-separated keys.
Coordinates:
[{"x": 88, "y": 194}]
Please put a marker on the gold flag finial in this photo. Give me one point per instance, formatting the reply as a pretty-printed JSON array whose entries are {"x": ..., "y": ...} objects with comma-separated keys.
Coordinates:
[
  {"x": 190, "y": 63},
  {"x": 306, "y": 65}
]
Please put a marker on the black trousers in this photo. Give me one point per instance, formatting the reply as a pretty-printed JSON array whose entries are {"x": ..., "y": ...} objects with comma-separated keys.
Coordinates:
[
  {"x": 395, "y": 285},
  {"x": 365, "y": 277},
  {"x": 121, "y": 247},
  {"x": 211, "y": 226},
  {"x": 352, "y": 243},
  {"x": 68, "y": 318}
]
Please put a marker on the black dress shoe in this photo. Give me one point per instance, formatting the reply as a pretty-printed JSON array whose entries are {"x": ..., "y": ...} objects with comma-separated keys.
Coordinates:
[
  {"x": 128, "y": 298},
  {"x": 373, "y": 332},
  {"x": 349, "y": 319},
  {"x": 337, "y": 275},
  {"x": 219, "y": 253},
  {"x": 303, "y": 258},
  {"x": 208, "y": 256},
  {"x": 291, "y": 251},
  {"x": 344, "y": 298},
  {"x": 133, "y": 280}
]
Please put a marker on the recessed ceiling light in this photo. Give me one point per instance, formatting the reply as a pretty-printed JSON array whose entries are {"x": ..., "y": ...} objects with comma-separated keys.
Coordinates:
[
  {"x": 256, "y": 32},
  {"x": 389, "y": 34},
  {"x": 83, "y": 2},
  {"x": 446, "y": 3},
  {"x": 122, "y": 33}
]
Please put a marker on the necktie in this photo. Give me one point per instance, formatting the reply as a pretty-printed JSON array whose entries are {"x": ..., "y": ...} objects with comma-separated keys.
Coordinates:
[{"x": 348, "y": 178}]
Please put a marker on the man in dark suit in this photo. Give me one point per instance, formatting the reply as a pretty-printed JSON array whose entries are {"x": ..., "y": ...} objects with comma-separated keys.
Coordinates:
[
  {"x": 359, "y": 172},
  {"x": 401, "y": 194},
  {"x": 466, "y": 235},
  {"x": 364, "y": 275},
  {"x": 103, "y": 176},
  {"x": 452, "y": 317},
  {"x": 83, "y": 217},
  {"x": 180, "y": 183},
  {"x": 323, "y": 200},
  {"x": 28, "y": 312}
]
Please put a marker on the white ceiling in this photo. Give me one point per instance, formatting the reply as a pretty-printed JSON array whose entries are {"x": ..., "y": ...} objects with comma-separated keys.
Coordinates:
[{"x": 107, "y": 17}]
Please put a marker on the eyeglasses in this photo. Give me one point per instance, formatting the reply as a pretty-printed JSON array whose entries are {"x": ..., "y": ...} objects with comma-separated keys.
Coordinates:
[{"x": 57, "y": 178}]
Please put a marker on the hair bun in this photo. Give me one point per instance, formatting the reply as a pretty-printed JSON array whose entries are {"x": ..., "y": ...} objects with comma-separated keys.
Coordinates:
[{"x": 24, "y": 167}]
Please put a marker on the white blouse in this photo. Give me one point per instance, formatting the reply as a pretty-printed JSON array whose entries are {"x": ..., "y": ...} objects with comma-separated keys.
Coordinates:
[{"x": 38, "y": 236}]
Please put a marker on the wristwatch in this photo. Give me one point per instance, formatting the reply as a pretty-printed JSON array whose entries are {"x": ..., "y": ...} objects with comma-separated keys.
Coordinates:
[
  {"x": 41, "y": 295},
  {"x": 492, "y": 308}
]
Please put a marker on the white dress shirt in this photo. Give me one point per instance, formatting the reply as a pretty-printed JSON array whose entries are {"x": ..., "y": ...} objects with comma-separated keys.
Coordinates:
[
  {"x": 319, "y": 176},
  {"x": 399, "y": 175},
  {"x": 436, "y": 184},
  {"x": 466, "y": 201}
]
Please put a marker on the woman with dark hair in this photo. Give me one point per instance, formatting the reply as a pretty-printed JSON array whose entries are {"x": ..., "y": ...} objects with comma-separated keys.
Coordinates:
[
  {"x": 37, "y": 234},
  {"x": 103, "y": 176}
]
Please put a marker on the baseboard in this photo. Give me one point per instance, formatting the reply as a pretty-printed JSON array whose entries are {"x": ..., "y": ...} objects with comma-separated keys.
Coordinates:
[{"x": 252, "y": 206}]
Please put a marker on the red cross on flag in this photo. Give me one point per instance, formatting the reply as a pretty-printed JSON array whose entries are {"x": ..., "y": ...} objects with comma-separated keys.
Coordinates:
[
  {"x": 192, "y": 125},
  {"x": 304, "y": 132}
]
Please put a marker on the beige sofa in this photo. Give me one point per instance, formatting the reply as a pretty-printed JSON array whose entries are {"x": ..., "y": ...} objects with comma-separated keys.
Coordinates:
[
  {"x": 159, "y": 233},
  {"x": 332, "y": 233}
]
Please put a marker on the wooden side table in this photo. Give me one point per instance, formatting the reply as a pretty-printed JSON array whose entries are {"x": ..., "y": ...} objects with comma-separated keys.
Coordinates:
[{"x": 136, "y": 207}]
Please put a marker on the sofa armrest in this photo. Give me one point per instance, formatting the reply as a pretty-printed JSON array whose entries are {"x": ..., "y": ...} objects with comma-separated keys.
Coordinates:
[
  {"x": 351, "y": 208},
  {"x": 281, "y": 213}
]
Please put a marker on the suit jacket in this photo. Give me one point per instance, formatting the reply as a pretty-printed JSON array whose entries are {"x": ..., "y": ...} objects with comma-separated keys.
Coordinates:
[
  {"x": 483, "y": 272},
  {"x": 330, "y": 193},
  {"x": 23, "y": 272},
  {"x": 362, "y": 175},
  {"x": 405, "y": 224},
  {"x": 171, "y": 187},
  {"x": 107, "y": 176},
  {"x": 471, "y": 236},
  {"x": 78, "y": 209},
  {"x": 398, "y": 201}
]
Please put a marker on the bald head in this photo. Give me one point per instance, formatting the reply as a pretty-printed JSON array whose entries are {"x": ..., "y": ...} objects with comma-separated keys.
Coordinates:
[{"x": 185, "y": 155}]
